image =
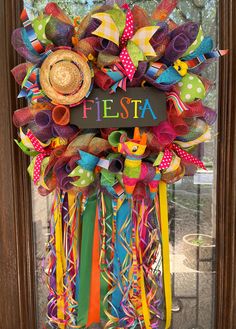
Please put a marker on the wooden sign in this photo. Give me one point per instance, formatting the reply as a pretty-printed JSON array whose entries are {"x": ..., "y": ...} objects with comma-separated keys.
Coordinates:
[{"x": 137, "y": 107}]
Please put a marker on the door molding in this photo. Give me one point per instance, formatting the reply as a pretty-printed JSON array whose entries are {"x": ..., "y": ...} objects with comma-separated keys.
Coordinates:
[
  {"x": 17, "y": 278},
  {"x": 17, "y": 302},
  {"x": 226, "y": 173}
]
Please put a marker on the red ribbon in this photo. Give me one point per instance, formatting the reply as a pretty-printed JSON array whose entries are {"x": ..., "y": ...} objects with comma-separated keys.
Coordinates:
[
  {"x": 167, "y": 158},
  {"x": 39, "y": 158}
]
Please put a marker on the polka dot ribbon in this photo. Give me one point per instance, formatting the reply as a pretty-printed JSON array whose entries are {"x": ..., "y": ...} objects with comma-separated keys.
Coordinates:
[
  {"x": 188, "y": 157},
  {"x": 126, "y": 60},
  {"x": 129, "y": 26},
  {"x": 39, "y": 158},
  {"x": 166, "y": 161},
  {"x": 127, "y": 35},
  {"x": 167, "y": 158}
]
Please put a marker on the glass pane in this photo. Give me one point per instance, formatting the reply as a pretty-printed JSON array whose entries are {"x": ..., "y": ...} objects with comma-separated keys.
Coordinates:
[{"x": 191, "y": 200}]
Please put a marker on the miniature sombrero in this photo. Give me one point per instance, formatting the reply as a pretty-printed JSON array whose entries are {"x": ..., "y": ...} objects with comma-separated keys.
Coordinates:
[{"x": 65, "y": 77}]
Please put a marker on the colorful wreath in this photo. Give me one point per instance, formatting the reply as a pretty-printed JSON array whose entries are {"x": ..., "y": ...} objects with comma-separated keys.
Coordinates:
[{"x": 109, "y": 228}]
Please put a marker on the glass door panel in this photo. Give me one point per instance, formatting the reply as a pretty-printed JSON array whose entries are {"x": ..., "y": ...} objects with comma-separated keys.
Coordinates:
[{"x": 191, "y": 200}]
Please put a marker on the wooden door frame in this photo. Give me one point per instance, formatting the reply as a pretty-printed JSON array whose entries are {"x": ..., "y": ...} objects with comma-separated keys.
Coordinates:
[
  {"x": 226, "y": 173},
  {"x": 17, "y": 285}
]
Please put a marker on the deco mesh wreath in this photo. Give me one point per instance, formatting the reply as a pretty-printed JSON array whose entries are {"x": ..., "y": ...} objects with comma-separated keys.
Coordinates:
[{"x": 108, "y": 254}]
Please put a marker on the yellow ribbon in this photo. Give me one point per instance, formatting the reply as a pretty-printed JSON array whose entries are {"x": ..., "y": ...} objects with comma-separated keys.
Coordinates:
[
  {"x": 59, "y": 260},
  {"x": 165, "y": 251},
  {"x": 146, "y": 312}
]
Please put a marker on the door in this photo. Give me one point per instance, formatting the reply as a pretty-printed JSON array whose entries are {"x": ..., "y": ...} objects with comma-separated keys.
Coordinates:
[{"x": 202, "y": 207}]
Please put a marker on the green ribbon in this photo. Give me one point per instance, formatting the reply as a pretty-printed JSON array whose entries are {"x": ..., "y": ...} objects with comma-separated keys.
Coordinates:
[
  {"x": 25, "y": 149},
  {"x": 88, "y": 220},
  {"x": 104, "y": 284}
]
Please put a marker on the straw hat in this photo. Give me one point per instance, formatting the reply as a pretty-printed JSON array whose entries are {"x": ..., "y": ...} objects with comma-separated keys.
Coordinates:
[{"x": 65, "y": 77}]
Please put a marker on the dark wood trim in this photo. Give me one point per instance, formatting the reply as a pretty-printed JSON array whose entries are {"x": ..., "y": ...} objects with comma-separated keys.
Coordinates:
[
  {"x": 226, "y": 189},
  {"x": 17, "y": 302}
]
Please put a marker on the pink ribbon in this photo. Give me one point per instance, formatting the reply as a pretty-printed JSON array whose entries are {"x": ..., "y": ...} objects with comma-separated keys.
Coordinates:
[
  {"x": 39, "y": 158},
  {"x": 127, "y": 35},
  {"x": 187, "y": 156},
  {"x": 167, "y": 158},
  {"x": 166, "y": 161},
  {"x": 129, "y": 26},
  {"x": 126, "y": 60}
]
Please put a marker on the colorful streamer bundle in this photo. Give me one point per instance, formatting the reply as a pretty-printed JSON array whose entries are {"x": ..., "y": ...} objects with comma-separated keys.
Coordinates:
[{"x": 108, "y": 254}]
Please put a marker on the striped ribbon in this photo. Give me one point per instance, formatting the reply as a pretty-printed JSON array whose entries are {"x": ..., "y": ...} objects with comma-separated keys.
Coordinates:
[
  {"x": 118, "y": 74},
  {"x": 31, "y": 84},
  {"x": 154, "y": 70},
  {"x": 36, "y": 44},
  {"x": 178, "y": 104},
  {"x": 193, "y": 63}
]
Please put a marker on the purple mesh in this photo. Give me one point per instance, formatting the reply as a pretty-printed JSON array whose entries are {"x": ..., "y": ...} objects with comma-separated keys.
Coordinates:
[
  {"x": 116, "y": 165},
  {"x": 22, "y": 117},
  {"x": 19, "y": 72},
  {"x": 43, "y": 134},
  {"x": 59, "y": 33},
  {"x": 139, "y": 75},
  {"x": 64, "y": 131},
  {"x": 92, "y": 26},
  {"x": 160, "y": 35},
  {"x": 43, "y": 119},
  {"x": 108, "y": 47},
  {"x": 189, "y": 29},
  {"x": 210, "y": 116},
  {"x": 164, "y": 133},
  {"x": 176, "y": 48},
  {"x": 21, "y": 48}
]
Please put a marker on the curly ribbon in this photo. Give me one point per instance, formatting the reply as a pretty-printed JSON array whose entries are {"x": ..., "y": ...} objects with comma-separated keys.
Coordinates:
[
  {"x": 106, "y": 256},
  {"x": 39, "y": 158},
  {"x": 59, "y": 263},
  {"x": 146, "y": 311},
  {"x": 165, "y": 251},
  {"x": 121, "y": 251}
]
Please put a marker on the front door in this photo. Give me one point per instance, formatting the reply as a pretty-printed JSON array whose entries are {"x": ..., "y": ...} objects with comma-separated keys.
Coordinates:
[{"x": 201, "y": 210}]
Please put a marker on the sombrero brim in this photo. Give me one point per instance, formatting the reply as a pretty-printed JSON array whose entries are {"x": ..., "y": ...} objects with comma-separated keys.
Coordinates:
[{"x": 68, "y": 56}]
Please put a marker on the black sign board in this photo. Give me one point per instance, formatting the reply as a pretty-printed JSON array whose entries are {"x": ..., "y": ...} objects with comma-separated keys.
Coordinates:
[{"x": 137, "y": 107}]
